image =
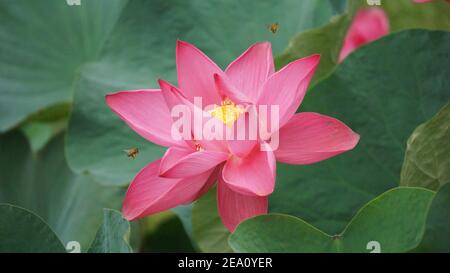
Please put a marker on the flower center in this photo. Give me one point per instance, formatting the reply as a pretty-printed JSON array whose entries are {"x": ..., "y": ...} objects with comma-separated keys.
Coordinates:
[{"x": 228, "y": 112}]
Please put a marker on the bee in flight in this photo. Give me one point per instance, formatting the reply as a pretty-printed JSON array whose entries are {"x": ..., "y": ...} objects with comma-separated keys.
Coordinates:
[
  {"x": 133, "y": 152},
  {"x": 273, "y": 27}
]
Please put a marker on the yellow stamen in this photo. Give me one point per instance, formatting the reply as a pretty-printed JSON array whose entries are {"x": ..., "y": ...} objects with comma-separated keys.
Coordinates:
[{"x": 228, "y": 112}]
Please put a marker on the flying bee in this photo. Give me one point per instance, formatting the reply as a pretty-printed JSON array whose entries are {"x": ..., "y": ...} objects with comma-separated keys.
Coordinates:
[
  {"x": 273, "y": 27},
  {"x": 133, "y": 152}
]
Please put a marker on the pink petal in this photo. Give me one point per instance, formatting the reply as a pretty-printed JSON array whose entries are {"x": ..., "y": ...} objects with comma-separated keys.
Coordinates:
[
  {"x": 241, "y": 148},
  {"x": 196, "y": 74},
  {"x": 208, "y": 140},
  {"x": 252, "y": 175},
  {"x": 146, "y": 112},
  {"x": 210, "y": 182},
  {"x": 227, "y": 90},
  {"x": 367, "y": 26},
  {"x": 287, "y": 87},
  {"x": 172, "y": 95},
  {"x": 250, "y": 70},
  {"x": 242, "y": 142},
  {"x": 149, "y": 193},
  {"x": 211, "y": 133},
  {"x": 235, "y": 207},
  {"x": 179, "y": 163},
  {"x": 175, "y": 98},
  {"x": 310, "y": 137}
]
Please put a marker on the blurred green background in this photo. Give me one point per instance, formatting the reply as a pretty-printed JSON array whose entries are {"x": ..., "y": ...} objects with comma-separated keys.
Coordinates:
[{"x": 61, "y": 148}]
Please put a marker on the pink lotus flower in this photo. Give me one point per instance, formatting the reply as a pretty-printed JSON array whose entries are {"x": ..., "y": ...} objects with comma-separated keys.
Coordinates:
[
  {"x": 368, "y": 25},
  {"x": 244, "y": 173}
]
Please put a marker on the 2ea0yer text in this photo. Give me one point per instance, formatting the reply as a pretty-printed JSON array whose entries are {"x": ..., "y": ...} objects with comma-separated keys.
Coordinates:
[{"x": 226, "y": 262}]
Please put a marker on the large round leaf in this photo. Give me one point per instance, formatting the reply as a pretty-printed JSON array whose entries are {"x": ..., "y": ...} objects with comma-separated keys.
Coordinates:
[
  {"x": 112, "y": 236},
  {"x": 44, "y": 45},
  {"x": 23, "y": 231},
  {"x": 437, "y": 230},
  {"x": 427, "y": 158},
  {"x": 393, "y": 222},
  {"x": 71, "y": 204},
  {"x": 166, "y": 232},
  {"x": 382, "y": 91}
]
